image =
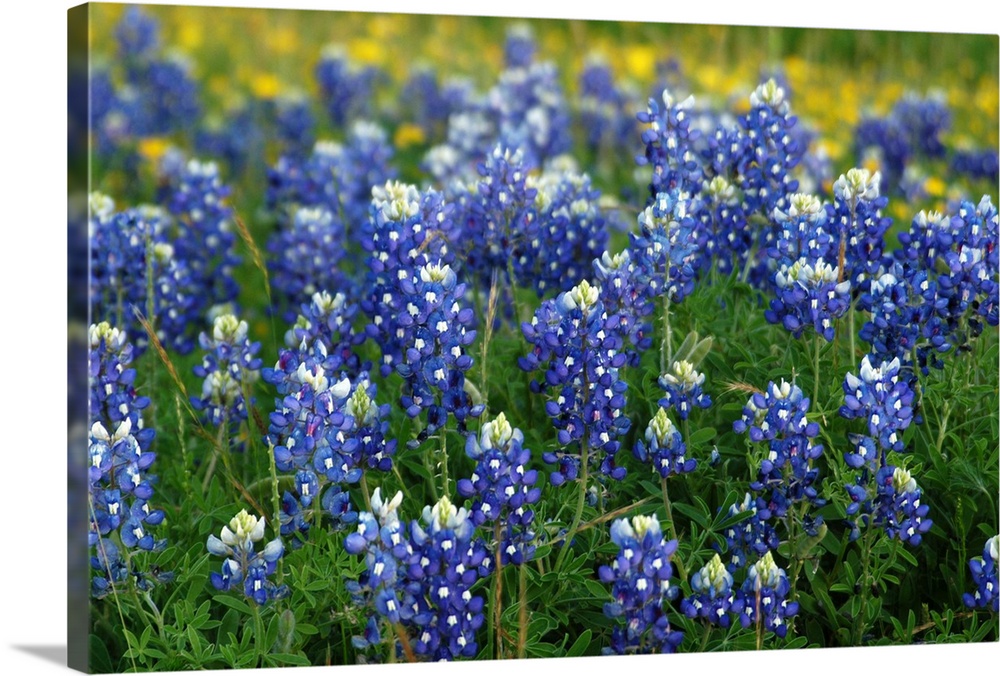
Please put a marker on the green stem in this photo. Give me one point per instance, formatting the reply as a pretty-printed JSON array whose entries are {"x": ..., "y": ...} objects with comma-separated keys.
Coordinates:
[
  {"x": 819, "y": 344},
  {"x": 580, "y": 500},
  {"x": 429, "y": 466},
  {"x": 221, "y": 448},
  {"x": 859, "y": 621},
  {"x": 522, "y": 610},
  {"x": 185, "y": 456},
  {"x": 258, "y": 630},
  {"x": 760, "y": 626},
  {"x": 365, "y": 493},
  {"x": 275, "y": 505},
  {"x": 444, "y": 461},
  {"x": 704, "y": 638},
  {"x": 671, "y": 530},
  {"x": 666, "y": 346},
  {"x": 851, "y": 331},
  {"x": 497, "y": 595}
]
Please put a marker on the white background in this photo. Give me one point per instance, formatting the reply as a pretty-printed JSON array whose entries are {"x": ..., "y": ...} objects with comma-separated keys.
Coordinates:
[{"x": 32, "y": 375}]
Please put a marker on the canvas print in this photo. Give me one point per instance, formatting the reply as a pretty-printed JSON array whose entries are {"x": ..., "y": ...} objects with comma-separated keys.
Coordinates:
[{"x": 404, "y": 338}]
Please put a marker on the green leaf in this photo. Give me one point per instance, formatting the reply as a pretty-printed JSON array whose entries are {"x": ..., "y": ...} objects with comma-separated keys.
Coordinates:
[
  {"x": 99, "y": 661},
  {"x": 580, "y": 645},
  {"x": 281, "y": 659},
  {"x": 232, "y": 602},
  {"x": 695, "y": 515},
  {"x": 230, "y": 624},
  {"x": 797, "y": 642},
  {"x": 701, "y": 437},
  {"x": 702, "y": 348}
]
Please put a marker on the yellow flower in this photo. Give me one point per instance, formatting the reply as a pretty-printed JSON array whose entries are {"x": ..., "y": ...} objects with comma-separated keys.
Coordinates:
[
  {"x": 640, "y": 61},
  {"x": 189, "y": 36},
  {"x": 152, "y": 148},
  {"x": 366, "y": 51},
  {"x": 408, "y": 134},
  {"x": 282, "y": 40},
  {"x": 934, "y": 186},
  {"x": 265, "y": 85}
]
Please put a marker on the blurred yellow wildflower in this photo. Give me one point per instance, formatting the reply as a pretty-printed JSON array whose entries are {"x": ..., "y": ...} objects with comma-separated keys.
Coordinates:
[
  {"x": 152, "y": 148},
  {"x": 265, "y": 85},
  {"x": 408, "y": 134},
  {"x": 640, "y": 62}
]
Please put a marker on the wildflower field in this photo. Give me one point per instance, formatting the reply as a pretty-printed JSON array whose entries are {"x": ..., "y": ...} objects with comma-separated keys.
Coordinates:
[{"x": 428, "y": 338}]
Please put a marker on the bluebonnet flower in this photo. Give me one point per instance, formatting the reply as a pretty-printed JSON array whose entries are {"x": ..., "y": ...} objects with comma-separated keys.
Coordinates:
[
  {"x": 242, "y": 563},
  {"x": 779, "y": 411},
  {"x": 438, "y": 332},
  {"x": 579, "y": 346},
  {"x": 753, "y": 535},
  {"x": 978, "y": 164},
  {"x": 421, "y": 575},
  {"x": 405, "y": 231},
  {"x": 815, "y": 168},
  {"x": 203, "y": 231},
  {"x": 501, "y": 222},
  {"x": 786, "y": 474},
  {"x": 168, "y": 98},
  {"x": 530, "y": 112},
  {"x": 728, "y": 238},
  {"x": 381, "y": 537},
  {"x": 304, "y": 433},
  {"x": 682, "y": 385},
  {"x": 519, "y": 46},
  {"x": 295, "y": 125},
  {"x": 502, "y": 488},
  {"x": 113, "y": 397},
  {"x": 755, "y": 158},
  {"x": 470, "y": 138},
  {"x": 883, "y": 398},
  {"x": 771, "y": 152},
  {"x": 883, "y": 141},
  {"x": 924, "y": 120},
  {"x": 764, "y": 597},
  {"x": 803, "y": 231},
  {"x": 663, "y": 447},
  {"x": 325, "y": 330},
  {"x": 984, "y": 577},
  {"x": 131, "y": 255},
  {"x": 446, "y": 560},
  {"x": 668, "y": 141},
  {"x": 896, "y": 506},
  {"x": 666, "y": 250},
  {"x": 230, "y": 367},
  {"x": 367, "y": 162},
  {"x": 233, "y": 138},
  {"x": 137, "y": 34},
  {"x": 624, "y": 293},
  {"x": 712, "y": 595},
  {"x": 364, "y": 439},
  {"x": 640, "y": 579},
  {"x": 856, "y": 217},
  {"x": 346, "y": 88},
  {"x": 120, "y": 484},
  {"x": 338, "y": 177},
  {"x": 604, "y": 108},
  {"x": 429, "y": 103},
  {"x": 808, "y": 294},
  {"x": 305, "y": 257},
  {"x": 962, "y": 251},
  {"x": 570, "y": 230},
  {"x": 896, "y": 307}
]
